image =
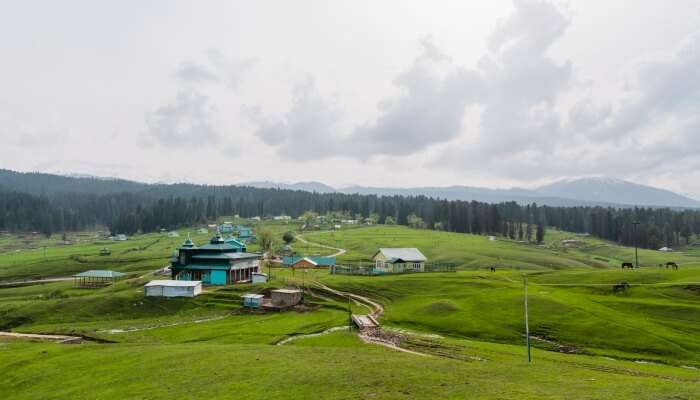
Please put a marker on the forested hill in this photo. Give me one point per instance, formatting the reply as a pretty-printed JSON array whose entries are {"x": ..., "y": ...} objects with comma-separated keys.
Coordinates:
[{"x": 127, "y": 207}]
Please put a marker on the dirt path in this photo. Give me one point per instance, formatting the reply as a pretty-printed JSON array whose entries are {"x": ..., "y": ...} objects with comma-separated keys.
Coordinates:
[
  {"x": 36, "y": 336},
  {"x": 376, "y": 309},
  {"x": 148, "y": 328},
  {"x": 338, "y": 250},
  {"x": 35, "y": 281}
]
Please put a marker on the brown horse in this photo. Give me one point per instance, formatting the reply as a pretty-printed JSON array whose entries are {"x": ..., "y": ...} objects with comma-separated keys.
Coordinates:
[{"x": 671, "y": 265}]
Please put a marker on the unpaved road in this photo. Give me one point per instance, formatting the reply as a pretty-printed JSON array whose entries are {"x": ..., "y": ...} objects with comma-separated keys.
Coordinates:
[{"x": 338, "y": 250}]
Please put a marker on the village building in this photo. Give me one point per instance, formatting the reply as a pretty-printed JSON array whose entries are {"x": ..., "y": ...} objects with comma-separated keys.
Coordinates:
[
  {"x": 282, "y": 218},
  {"x": 244, "y": 234},
  {"x": 259, "y": 277},
  {"x": 252, "y": 300},
  {"x": 285, "y": 298},
  {"x": 397, "y": 260},
  {"x": 308, "y": 262},
  {"x": 96, "y": 278},
  {"x": 226, "y": 228},
  {"x": 666, "y": 249},
  {"x": 172, "y": 288},
  {"x": 219, "y": 262}
]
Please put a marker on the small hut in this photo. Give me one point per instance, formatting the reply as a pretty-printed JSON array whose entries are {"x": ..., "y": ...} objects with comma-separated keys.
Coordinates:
[
  {"x": 96, "y": 278},
  {"x": 252, "y": 300},
  {"x": 171, "y": 288},
  {"x": 283, "y": 298}
]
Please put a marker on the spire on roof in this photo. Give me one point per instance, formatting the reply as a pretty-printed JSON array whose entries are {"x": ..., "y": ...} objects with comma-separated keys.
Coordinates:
[{"x": 188, "y": 243}]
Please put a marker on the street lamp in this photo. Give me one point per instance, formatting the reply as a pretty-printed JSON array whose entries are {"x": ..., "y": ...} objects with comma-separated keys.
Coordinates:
[{"x": 636, "y": 253}]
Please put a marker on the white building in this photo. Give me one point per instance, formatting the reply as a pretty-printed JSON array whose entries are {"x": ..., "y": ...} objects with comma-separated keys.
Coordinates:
[
  {"x": 259, "y": 277},
  {"x": 170, "y": 288},
  {"x": 282, "y": 218},
  {"x": 666, "y": 249},
  {"x": 397, "y": 260}
]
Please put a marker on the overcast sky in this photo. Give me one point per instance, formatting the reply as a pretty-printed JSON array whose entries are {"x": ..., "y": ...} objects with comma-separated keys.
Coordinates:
[{"x": 402, "y": 93}]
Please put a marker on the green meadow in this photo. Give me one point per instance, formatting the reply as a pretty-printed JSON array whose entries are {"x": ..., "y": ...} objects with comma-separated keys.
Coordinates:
[{"x": 590, "y": 341}]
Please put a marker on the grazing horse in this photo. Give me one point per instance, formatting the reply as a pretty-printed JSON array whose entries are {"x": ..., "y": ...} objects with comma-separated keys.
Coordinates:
[
  {"x": 627, "y": 265},
  {"x": 672, "y": 265},
  {"x": 493, "y": 269}
]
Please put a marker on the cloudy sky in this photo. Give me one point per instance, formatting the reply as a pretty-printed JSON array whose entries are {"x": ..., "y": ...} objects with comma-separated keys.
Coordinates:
[{"x": 384, "y": 93}]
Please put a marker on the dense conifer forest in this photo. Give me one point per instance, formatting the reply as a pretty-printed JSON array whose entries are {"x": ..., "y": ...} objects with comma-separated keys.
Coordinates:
[{"x": 52, "y": 204}]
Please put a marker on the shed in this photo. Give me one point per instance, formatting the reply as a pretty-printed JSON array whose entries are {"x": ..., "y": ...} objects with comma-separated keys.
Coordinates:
[
  {"x": 252, "y": 300},
  {"x": 282, "y": 298},
  {"x": 259, "y": 277},
  {"x": 96, "y": 278},
  {"x": 171, "y": 288},
  {"x": 666, "y": 249}
]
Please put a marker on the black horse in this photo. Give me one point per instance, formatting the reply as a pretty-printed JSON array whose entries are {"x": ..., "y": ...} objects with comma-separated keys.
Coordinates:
[
  {"x": 627, "y": 265},
  {"x": 671, "y": 265}
]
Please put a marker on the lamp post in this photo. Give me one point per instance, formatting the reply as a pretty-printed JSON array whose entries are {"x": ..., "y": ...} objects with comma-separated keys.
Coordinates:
[{"x": 636, "y": 253}]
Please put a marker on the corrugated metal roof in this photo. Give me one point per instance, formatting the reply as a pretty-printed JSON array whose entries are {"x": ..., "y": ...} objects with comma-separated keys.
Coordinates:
[
  {"x": 173, "y": 283},
  {"x": 252, "y": 296},
  {"x": 225, "y": 256},
  {"x": 409, "y": 254},
  {"x": 324, "y": 261},
  {"x": 99, "y": 273}
]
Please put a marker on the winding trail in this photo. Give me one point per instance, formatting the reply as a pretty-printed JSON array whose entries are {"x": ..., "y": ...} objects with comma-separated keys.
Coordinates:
[
  {"x": 36, "y": 336},
  {"x": 338, "y": 250}
]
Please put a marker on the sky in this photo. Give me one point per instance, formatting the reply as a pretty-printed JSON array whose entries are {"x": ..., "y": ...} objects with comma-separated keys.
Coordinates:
[{"x": 376, "y": 93}]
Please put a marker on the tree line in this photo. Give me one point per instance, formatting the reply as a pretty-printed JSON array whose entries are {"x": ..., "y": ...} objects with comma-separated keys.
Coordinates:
[{"x": 154, "y": 209}]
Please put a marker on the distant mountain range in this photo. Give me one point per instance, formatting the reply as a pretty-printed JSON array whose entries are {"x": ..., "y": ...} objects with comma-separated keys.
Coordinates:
[{"x": 565, "y": 193}]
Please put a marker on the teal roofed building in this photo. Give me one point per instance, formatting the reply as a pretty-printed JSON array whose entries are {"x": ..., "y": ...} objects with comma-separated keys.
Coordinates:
[
  {"x": 218, "y": 262},
  {"x": 244, "y": 234},
  {"x": 320, "y": 261}
]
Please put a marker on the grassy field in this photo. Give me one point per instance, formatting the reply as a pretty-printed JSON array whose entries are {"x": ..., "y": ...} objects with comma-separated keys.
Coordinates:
[{"x": 643, "y": 342}]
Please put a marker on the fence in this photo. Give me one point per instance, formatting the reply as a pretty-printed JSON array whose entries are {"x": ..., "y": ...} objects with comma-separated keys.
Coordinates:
[{"x": 370, "y": 270}]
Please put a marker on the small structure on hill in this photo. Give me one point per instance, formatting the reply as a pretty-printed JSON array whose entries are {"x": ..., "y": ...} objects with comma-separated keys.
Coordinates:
[
  {"x": 304, "y": 263},
  {"x": 252, "y": 300},
  {"x": 219, "y": 262},
  {"x": 226, "y": 227},
  {"x": 173, "y": 234},
  {"x": 666, "y": 249},
  {"x": 259, "y": 277},
  {"x": 105, "y": 252},
  {"x": 397, "y": 260},
  {"x": 308, "y": 262},
  {"x": 172, "y": 288},
  {"x": 284, "y": 298},
  {"x": 120, "y": 237},
  {"x": 96, "y": 278},
  {"x": 245, "y": 234}
]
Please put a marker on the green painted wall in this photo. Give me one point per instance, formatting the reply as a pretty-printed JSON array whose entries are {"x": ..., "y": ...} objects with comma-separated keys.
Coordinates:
[{"x": 217, "y": 277}]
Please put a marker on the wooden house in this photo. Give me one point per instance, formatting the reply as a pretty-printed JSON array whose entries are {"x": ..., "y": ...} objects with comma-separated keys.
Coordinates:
[
  {"x": 311, "y": 262},
  {"x": 219, "y": 262},
  {"x": 398, "y": 260}
]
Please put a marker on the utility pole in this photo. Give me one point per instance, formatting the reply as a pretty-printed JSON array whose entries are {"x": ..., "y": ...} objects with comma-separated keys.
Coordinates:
[
  {"x": 349, "y": 315},
  {"x": 527, "y": 327},
  {"x": 636, "y": 253}
]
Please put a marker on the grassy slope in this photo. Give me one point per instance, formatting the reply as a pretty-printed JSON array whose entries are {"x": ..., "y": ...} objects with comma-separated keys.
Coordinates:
[
  {"x": 323, "y": 369},
  {"x": 649, "y": 322}
]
